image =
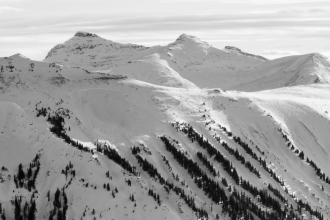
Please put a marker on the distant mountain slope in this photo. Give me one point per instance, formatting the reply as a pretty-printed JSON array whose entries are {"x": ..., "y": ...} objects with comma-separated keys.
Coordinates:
[
  {"x": 97, "y": 54},
  {"x": 188, "y": 57},
  {"x": 289, "y": 71},
  {"x": 207, "y": 66},
  {"x": 17, "y": 71}
]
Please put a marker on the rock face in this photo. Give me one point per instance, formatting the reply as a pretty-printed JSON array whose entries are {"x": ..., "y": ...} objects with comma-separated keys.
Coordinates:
[
  {"x": 239, "y": 51},
  {"x": 85, "y": 34},
  {"x": 92, "y": 52}
]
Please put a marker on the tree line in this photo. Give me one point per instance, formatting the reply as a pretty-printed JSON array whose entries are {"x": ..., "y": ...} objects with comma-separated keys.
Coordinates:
[
  {"x": 27, "y": 179},
  {"x": 153, "y": 172}
]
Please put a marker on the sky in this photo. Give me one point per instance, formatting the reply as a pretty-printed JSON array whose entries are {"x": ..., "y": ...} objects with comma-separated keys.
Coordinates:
[{"x": 270, "y": 28}]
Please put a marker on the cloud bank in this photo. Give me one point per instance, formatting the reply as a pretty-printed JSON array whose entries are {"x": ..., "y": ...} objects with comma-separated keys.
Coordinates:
[{"x": 270, "y": 28}]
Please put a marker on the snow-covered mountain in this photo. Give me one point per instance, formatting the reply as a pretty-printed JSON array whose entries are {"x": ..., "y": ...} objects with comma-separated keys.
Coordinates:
[
  {"x": 193, "y": 60},
  {"x": 102, "y": 130}
]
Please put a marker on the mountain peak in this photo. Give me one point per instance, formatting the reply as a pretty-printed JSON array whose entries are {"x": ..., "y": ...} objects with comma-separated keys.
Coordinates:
[
  {"x": 18, "y": 56},
  {"x": 190, "y": 41},
  {"x": 84, "y": 34},
  {"x": 186, "y": 37}
]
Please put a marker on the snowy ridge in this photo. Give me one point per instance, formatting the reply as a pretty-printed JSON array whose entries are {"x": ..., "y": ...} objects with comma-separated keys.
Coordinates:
[
  {"x": 237, "y": 50},
  {"x": 289, "y": 71},
  {"x": 193, "y": 60}
]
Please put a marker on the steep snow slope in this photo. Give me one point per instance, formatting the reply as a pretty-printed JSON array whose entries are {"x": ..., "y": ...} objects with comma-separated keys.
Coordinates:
[
  {"x": 118, "y": 113},
  {"x": 123, "y": 113},
  {"x": 207, "y": 66},
  {"x": 153, "y": 69},
  {"x": 23, "y": 135},
  {"x": 301, "y": 113}
]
